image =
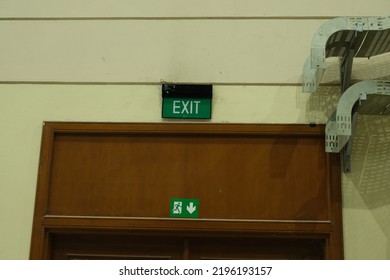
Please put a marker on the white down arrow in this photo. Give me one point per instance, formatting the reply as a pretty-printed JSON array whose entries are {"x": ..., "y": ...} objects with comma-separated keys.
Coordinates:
[{"x": 191, "y": 208}]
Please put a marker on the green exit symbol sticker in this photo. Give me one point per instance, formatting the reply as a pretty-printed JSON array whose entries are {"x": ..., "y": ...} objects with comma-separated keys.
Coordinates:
[{"x": 184, "y": 207}]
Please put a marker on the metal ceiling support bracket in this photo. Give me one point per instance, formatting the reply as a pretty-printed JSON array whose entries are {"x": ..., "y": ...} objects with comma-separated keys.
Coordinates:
[
  {"x": 337, "y": 36},
  {"x": 347, "y": 151}
]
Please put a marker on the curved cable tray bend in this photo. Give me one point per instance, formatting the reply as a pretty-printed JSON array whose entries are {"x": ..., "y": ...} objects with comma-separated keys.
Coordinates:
[
  {"x": 370, "y": 97},
  {"x": 345, "y": 37}
]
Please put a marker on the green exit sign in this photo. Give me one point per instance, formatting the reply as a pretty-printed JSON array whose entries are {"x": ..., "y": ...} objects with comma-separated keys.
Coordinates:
[
  {"x": 186, "y": 101},
  {"x": 186, "y": 108},
  {"x": 184, "y": 207}
]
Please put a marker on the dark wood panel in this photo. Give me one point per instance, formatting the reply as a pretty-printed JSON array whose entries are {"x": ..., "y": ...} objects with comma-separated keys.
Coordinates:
[
  {"x": 233, "y": 177},
  {"x": 109, "y": 246},
  {"x": 257, "y": 248},
  {"x": 132, "y": 246}
]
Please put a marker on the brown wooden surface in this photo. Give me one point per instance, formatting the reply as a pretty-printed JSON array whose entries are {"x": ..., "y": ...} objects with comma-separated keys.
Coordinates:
[
  {"x": 235, "y": 177},
  {"x": 256, "y": 248},
  {"x": 261, "y": 178},
  {"x": 135, "y": 246},
  {"x": 84, "y": 246}
]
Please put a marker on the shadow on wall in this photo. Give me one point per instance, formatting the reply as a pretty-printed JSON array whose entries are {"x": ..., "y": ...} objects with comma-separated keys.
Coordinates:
[
  {"x": 370, "y": 174},
  {"x": 320, "y": 105}
]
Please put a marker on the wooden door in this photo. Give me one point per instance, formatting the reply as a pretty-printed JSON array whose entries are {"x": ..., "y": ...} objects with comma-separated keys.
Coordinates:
[{"x": 258, "y": 180}]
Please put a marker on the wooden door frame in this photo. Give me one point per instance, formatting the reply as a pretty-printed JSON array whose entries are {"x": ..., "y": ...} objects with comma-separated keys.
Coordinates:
[{"x": 45, "y": 225}]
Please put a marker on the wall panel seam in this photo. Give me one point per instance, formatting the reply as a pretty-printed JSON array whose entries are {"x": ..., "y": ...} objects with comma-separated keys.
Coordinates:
[
  {"x": 152, "y": 83},
  {"x": 167, "y": 18}
]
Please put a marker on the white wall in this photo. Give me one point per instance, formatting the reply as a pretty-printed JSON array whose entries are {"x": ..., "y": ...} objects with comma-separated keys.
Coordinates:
[
  {"x": 366, "y": 191},
  {"x": 189, "y": 8},
  {"x": 103, "y": 61}
]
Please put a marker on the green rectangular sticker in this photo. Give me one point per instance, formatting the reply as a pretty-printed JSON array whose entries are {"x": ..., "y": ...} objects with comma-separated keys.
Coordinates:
[{"x": 184, "y": 208}]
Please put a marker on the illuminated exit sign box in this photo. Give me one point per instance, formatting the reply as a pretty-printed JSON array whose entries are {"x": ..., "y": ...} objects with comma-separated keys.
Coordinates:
[{"x": 185, "y": 101}]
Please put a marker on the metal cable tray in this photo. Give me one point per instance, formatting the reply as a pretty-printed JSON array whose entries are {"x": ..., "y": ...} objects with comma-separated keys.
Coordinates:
[
  {"x": 367, "y": 98},
  {"x": 346, "y": 38}
]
